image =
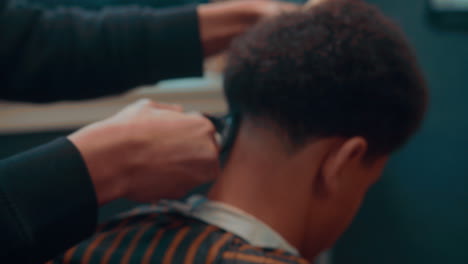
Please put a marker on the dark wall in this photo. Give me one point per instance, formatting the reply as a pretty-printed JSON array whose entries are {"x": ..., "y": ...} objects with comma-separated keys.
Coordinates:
[{"x": 418, "y": 213}]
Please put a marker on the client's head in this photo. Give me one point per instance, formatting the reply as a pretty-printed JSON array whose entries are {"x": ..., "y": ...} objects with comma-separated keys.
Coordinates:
[{"x": 325, "y": 95}]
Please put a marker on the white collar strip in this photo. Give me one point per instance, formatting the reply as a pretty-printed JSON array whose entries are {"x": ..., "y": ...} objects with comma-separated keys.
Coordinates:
[{"x": 232, "y": 220}]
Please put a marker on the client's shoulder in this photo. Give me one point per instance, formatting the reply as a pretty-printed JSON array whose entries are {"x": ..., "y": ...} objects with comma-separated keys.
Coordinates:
[
  {"x": 156, "y": 215},
  {"x": 155, "y": 234},
  {"x": 241, "y": 252}
]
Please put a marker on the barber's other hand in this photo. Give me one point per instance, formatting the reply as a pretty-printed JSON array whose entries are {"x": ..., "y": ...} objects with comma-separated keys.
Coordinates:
[
  {"x": 270, "y": 8},
  {"x": 148, "y": 151},
  {"x": 220, "y": 22}
]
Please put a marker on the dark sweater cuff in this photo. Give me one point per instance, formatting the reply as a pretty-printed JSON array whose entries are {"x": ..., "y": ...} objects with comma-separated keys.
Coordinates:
[
  {"x": 51, "y": 198},
  {"x": 178, "y": 48}
]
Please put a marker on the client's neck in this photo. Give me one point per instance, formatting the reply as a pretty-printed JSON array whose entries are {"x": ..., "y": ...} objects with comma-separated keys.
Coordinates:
[{"x": 261, "y": 179}]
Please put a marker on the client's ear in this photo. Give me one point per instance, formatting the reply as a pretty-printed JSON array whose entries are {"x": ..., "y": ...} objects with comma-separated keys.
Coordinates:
[{"x": 344, "y": 160}]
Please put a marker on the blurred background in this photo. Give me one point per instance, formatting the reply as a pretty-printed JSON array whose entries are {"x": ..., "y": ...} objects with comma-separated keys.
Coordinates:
[{"x": 417, "y": 213}]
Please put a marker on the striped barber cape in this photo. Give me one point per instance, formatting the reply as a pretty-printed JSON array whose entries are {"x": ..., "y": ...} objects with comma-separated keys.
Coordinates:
[{"x": 162, "y": 234}]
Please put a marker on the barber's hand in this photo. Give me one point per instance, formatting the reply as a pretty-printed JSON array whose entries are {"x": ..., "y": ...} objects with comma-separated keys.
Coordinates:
[
  {"x": 148, "y": 151},
  {"x": 220, "y": 22},
  {"x": 312, "y": 3},
  {"x": 270, "y": 8}
]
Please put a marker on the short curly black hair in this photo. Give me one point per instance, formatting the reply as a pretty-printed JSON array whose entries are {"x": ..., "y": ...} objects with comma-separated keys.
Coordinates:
[{"x": 338, "y": 69}]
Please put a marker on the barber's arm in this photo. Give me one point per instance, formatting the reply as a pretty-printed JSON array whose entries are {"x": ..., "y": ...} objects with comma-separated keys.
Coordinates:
[
  {"x": 49, "y": 195},
  {"x": 97, "y": 4},
  {"x": 71, "y": 53}
]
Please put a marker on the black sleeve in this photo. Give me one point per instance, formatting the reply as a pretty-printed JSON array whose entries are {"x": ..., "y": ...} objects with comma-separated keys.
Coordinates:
[
  {"x": 71, "y": 53},
  {"x": 97, "y": 4},
  {"x": 47, "y": 203}
]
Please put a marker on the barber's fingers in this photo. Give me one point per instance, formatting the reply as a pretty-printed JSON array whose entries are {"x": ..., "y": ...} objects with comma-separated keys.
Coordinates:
[
  {"x": 166, "y": 106},
  {"x": 216, "y": 136},
  {"x": 141, "y": 106},
  {"x": 274, "y": 8},
  {"x": 194, "y": 113},
  {"x": 148, "y": 103},
  {"x": 289, "y": 7},
  {"x": 202, "y": 118},
  {"x": 158, "y": 105},
  {"x": 312, "y": 3}
]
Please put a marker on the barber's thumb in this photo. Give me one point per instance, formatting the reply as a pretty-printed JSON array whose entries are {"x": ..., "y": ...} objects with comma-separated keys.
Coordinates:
[{"x": 167, "y": 106}]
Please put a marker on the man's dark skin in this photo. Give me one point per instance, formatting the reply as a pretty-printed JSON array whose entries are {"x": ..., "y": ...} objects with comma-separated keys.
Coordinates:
[{"x": 145, "y": 152}]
